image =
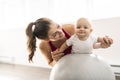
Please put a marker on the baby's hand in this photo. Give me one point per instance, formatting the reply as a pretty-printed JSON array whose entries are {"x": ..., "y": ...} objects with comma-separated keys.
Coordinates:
[{"x": 106, "y": 42}]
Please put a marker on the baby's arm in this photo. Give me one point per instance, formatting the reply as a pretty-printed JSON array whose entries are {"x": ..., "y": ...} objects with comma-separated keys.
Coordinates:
[
  {"x": 66, "y": 44},
  {"x": 63, "y": 47},
  {"x": 97, "y": 45},
  {"x": 103, "y": 42}
]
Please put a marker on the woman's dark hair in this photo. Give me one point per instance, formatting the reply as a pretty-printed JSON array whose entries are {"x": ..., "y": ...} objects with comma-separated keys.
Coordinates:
[{"x": 38, "y": 29}]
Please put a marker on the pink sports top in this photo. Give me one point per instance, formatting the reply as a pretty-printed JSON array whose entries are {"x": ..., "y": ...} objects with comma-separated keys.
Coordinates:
[{"x": 68, "y": 50}]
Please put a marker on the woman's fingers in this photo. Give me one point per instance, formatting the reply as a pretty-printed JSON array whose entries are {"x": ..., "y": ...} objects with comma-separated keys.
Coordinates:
[
  {"x": 57, "y": 56},
  {"x": 56, "y": 52}
]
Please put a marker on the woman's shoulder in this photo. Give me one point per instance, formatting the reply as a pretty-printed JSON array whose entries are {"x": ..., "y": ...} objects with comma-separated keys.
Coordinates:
[
  {"x": 69, "y": 28},
  {"x": 44, "y": 46}
]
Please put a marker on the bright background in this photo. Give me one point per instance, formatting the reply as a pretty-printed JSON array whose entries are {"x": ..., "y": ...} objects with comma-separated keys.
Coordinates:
[{"x": 16, "y": 14}]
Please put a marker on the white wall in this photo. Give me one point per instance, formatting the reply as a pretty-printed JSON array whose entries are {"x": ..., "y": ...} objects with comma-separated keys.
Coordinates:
[
  {"x": 110, "y": 27},
  {"x": 13, "y": 48}
]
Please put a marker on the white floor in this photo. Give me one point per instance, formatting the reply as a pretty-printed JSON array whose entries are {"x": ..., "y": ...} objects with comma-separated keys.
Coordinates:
[
  {"x": 21, "y": 72},
  {"x": 18, "y": 72}
]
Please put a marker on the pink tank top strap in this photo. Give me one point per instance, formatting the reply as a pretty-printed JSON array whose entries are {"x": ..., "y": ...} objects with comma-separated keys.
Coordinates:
[
  {"x": 66, "y": 34},
  {"x": 53, "y": 48}
]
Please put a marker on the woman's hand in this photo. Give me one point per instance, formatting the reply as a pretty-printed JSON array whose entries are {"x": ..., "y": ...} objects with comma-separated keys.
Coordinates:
[
  {"x": 56, "y": 55},
  {"x": 106, "y": 42}
]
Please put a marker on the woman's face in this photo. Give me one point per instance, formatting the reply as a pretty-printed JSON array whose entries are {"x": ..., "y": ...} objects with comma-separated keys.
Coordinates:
[{"x": 55, "y": 33}]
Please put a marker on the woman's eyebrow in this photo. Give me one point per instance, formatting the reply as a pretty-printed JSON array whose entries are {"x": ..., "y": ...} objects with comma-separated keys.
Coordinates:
[{"x": 58, "y": 25}]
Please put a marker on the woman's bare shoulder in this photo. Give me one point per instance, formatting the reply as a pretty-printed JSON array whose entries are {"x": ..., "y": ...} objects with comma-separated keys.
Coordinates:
[
  {"x": 68, "y": 25},
  {"x": 44, "y": 46},
  {"x": 69, "y": 28},
  {"x": 45, "y": 50}
]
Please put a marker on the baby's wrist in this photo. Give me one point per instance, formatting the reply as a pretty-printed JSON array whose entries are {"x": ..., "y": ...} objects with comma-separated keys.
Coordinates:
[{"x": 97, "y": 45}]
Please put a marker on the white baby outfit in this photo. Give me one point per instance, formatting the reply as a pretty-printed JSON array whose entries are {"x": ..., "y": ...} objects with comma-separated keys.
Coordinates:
[{"x": 79, "y": 46}]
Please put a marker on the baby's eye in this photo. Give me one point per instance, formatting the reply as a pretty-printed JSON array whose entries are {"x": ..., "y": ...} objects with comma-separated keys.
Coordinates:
[
  {"x": 78, "y": 27},
  {"x": 85, "y": 27}
]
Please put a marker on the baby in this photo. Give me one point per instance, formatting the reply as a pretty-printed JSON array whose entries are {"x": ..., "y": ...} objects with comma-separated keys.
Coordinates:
[{"x": 82, "y": 41}]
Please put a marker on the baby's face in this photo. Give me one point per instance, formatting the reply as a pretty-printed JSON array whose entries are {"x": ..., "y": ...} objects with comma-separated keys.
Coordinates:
[{"x": 83, "y": 28}]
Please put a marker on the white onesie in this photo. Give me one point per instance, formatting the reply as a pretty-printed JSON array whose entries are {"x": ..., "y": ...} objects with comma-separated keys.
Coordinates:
[{"x": 79, "y": 46}]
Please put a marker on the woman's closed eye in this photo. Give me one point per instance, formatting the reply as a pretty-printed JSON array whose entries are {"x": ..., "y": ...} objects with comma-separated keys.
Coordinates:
[{"x": 54, "y": 34}]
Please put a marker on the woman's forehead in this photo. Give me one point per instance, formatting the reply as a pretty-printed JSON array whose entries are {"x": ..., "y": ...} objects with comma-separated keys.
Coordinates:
[{"x": 53, "y": 28}]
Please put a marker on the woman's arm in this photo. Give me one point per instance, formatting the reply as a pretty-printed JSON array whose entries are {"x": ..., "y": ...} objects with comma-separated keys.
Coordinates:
[
  {"x": 69, "y": 28},
  {"x": 46, "y": 52},
  {"x": 51, "y": 57}
]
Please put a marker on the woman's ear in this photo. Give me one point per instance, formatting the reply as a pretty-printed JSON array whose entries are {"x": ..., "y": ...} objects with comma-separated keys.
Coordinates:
[{"x": 59, "y": 26}]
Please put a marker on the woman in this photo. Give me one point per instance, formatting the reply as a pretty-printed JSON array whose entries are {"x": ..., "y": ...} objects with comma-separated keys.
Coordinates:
[{"x": 52, "y": 36}]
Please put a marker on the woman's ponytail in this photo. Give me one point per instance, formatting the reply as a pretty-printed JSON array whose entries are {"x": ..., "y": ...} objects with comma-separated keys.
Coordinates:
[{"x": 31, "y": 42}]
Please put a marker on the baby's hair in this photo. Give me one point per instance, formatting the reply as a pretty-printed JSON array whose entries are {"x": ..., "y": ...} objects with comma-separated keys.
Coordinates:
[{"x": 87, "y": 19}]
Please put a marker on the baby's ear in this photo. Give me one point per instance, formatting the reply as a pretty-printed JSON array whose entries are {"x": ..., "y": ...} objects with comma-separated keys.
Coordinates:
[{"x": 91, "y": 30}]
